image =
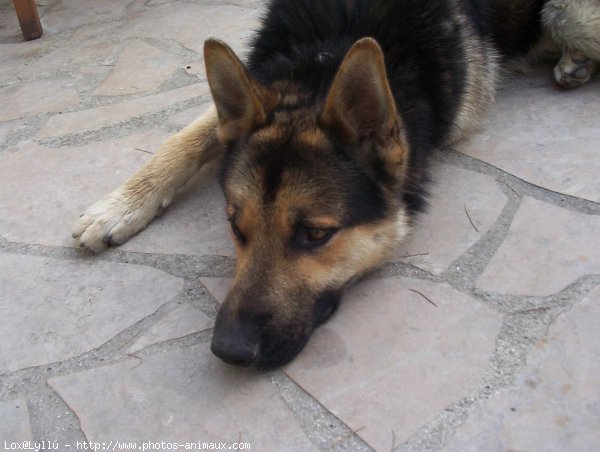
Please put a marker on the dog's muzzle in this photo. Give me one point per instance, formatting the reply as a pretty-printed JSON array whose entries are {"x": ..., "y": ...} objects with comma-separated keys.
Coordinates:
[{"x": 252, "y": 337}]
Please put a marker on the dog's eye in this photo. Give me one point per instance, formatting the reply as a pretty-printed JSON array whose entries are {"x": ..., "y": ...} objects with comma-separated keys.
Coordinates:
[
  {"x": 236, "y": 231},
  {"x": 315, "y": 235},
  {"x": 309, "y": 237}
]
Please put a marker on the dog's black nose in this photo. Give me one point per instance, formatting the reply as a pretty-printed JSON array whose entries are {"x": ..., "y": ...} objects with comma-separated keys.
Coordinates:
[
  {"x": 235, "y": 343},
  {"x": 236, "y": 352}
]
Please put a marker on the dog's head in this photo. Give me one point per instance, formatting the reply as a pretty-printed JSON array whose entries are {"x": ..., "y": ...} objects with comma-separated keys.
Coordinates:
[{"x": 312, "y": 193}]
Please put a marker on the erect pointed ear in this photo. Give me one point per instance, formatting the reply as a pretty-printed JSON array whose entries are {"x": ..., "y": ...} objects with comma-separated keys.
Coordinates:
[
  {"x": 360, "y": 102},
  {"x": 361, "y": 107},
  {"x": 240, "y": 101}
]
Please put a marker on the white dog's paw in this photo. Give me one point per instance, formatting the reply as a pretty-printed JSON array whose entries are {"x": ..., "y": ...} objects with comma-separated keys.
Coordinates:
[{"x": 114, "y": 219}]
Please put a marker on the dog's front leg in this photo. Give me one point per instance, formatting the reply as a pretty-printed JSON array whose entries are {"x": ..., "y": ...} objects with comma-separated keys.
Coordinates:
[{"x": 129, "y": 209}]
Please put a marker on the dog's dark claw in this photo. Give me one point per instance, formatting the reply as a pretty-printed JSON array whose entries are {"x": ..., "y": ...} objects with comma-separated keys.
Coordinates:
[{"x": 113, "y": 242}]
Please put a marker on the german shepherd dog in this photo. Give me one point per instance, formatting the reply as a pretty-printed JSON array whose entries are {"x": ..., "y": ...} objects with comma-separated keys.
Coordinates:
[{"x": 323, "y": 139}]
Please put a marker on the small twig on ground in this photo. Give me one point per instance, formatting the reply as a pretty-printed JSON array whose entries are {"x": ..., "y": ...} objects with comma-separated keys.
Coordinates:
[
  {"x": 423, "y": 295},
  {"x": 415, "y": 255},
  {"x": 529, "y": 311},
  {"x": 393, "y": 441},
  {"x": 345, "y": 437},
  {"x": 143, "y": 150},
  {"x": 513, "y": 190},
  {"x": 140, "y": 360},
  {"x": 469, "y": 216}
]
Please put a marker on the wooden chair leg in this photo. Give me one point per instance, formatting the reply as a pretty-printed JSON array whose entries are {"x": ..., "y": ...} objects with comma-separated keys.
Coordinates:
[{"x": 28, "y": 19}]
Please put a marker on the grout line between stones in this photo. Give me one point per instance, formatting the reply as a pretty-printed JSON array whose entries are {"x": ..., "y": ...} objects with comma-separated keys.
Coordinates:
[
  {"x": 463, "y": 272},
  {"x": 321, "y": 426},
  {"x": 178, "y": 265},
  {"x": 153, "y": 120},
  {"x": 518, "y": 186},
  {"x": 51, "y": 418},
  {"x": 122, "y": 128}
]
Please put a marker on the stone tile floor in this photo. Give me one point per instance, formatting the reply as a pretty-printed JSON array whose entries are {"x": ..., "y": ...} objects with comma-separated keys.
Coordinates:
[{"x": 115, "y": 347}]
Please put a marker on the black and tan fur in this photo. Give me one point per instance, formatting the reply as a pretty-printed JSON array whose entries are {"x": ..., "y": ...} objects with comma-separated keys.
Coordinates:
[{"x": 324, "y": 138}]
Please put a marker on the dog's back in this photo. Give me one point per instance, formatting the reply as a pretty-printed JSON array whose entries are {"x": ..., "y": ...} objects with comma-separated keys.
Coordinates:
[{"x": 429, "y": 46}]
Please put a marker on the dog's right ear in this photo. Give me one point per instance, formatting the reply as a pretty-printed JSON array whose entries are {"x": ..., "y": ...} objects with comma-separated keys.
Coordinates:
[{"x": 240, "y": 101}]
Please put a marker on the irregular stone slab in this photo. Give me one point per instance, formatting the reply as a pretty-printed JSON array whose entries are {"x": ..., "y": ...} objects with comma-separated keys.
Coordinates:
[
  {"x": 56, "y": 309},
  {"x": 62, "y": 183},
  {"x": 5, "y": 129},
  {"x": 181, "y": 321},
  {"x": 68, "y": 14},
  {"x": 107, "y": 115},
  {"x": 140, "y": 68},
  {"x": 232, "y": 23},
  {"x": 445, "y": 232},
  {"x": 86, "y": 57},
  {"x": 544, "y": 135},
  {"x": 14, "y": 57},
  {"x": 185, "y": 117},
  {"x": 41, "y": 96},
  {"x": 390, "y": 361},
  {"x": 545, "y": 250},
  {"x": 14, "y": 422},
  {"x": 554, "y": 402},
  {"x": 186, "y": 395},
  {"x": 218, "y": 287}
]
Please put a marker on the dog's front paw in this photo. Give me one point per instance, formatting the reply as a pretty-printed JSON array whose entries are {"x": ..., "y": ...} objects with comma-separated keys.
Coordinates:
[{"x": 114, "y": 219}]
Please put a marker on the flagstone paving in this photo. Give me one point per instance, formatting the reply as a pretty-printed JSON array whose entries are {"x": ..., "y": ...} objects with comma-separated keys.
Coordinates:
[
  {"x": 479, "y": 334},
  {"x": 15, "y": 421},
  {"x": 554, "y": 403}
]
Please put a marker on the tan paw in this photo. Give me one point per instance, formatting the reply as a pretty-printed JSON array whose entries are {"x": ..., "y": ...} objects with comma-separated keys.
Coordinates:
[
  {"x": 574, "y": 70},
  {"x": 114, "y": 219}
]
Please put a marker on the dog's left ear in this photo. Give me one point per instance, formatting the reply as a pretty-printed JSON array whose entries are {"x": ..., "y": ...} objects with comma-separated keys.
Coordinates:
[
  {"x": 361, "y": 107},
  {"x": 241, "y": 102}
]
